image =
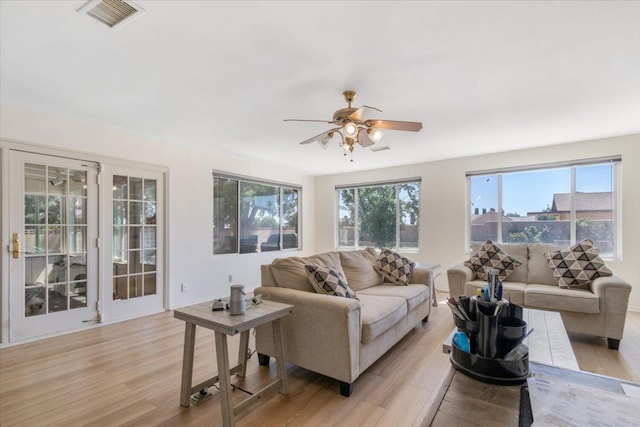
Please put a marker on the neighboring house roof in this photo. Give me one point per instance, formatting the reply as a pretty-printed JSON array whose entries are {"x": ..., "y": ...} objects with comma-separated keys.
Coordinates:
[
  {"x": 491, "y": 216},
  {"x": 600, "y": 201}
]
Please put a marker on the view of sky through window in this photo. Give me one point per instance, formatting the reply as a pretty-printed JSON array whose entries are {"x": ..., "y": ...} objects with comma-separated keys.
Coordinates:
[
  {"x": 560, "y": 206},
  {"x": 539, "y": 188}
]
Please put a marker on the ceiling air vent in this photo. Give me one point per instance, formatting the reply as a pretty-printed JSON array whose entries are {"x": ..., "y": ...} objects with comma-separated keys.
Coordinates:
[
  {"x": 379, "y": 148},
  {"x": 112, "y": 13}
]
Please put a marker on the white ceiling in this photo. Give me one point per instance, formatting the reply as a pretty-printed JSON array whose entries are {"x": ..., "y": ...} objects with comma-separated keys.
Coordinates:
[{"x": 481, "y": 76}]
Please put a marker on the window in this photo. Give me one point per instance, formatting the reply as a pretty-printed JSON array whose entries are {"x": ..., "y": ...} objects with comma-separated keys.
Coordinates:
[
  {"x": 560, "y": 205},
  {"x": 254, "y": 216},
  {"x": 381, "y": 215}
]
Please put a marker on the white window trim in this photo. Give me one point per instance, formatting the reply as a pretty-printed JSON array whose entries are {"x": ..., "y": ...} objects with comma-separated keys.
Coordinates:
[
  {"x": 356, "y": 236},
  {"x": 254, "y": 180},
  {"x": 616, "y": 161}
]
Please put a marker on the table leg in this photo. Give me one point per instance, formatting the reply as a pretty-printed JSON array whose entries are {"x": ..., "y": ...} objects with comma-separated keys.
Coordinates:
[
  {"x": 432, "y": 285},
  {"x": 224, "y": 379},
  {"x": 187, "y": 364},
  {"x": 243, "y": 350},
  {"x": 276, "y": 326}
]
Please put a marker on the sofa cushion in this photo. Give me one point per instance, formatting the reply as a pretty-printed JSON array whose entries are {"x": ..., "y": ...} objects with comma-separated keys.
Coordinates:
[
  {"x": 512, "y": 291},
  {"x": 328, "y": 280},
  {"x": 520, "y": 252},
  {"x": 290, "y": 272},
  {"x": 394, "y": 267},
  {"x": 358, "y": 268},
  {"x": 517, "y": 250},
  {"x": 577, "y": 265},
  {"x": 491, "y": 256},
  {"x": 379, "y": 314},
  {"x": 555, "y": 298},
  {"x": 414, "y": 294},
  {"x": 538, "y": 268}
]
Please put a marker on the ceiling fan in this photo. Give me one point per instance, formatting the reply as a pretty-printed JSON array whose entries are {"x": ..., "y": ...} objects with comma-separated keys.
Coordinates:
[{"x": 354, "y": 127}]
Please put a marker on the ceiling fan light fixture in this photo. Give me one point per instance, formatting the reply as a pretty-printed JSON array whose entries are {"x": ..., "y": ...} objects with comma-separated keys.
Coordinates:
[
  {"x": 350, "y": 129},
  {"x": 354, "y": 127},
  {"x": 348, "y": 146},
  {"x": 375, "y": 134},
  {"x": 324, "y": 141}
]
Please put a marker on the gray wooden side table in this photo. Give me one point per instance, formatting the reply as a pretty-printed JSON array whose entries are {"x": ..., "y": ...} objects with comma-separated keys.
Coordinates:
[{"x": 223, "y": 324}]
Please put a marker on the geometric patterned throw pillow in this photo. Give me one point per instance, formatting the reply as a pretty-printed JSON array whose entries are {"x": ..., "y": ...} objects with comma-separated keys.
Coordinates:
[
  {"x": 328, "y": 280},
  {"x": 577, "y": 265},
  {"x": 491, "y": 256},
  {"x": 394, "y": 267}
]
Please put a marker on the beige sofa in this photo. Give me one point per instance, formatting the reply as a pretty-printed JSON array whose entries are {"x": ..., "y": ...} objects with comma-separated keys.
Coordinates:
[
  {"x": 335, "y": 336},
  {"x": 598, "y": 311}
]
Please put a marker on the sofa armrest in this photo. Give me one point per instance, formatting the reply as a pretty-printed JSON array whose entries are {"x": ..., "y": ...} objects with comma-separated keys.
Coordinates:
[
  {"x": 600, "y": 285},
  {"x": 421, "y": 275},
  {"x": 457, "y": 276},
  {"x": 322, "y": 334},
  {"x": 613, "y": 292}
]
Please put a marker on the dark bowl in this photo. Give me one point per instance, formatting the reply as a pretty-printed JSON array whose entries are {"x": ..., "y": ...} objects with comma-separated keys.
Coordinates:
[
  {"x": 512, "y": 328},
  {"x": 466, "y": 325}
]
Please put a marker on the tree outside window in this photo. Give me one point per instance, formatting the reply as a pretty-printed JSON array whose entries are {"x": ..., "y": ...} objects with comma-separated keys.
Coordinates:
[
  {"x": 259, "y": 214},
  {"x": 379, "y": 215},
  {"x": 252, "y": 216}
]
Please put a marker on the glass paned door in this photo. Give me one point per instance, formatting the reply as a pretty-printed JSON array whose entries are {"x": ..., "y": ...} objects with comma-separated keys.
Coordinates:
[
  {"x": 53, "y": 217},
  {"x": 134, "y": 237},
  {"x": 136, "y": 249}
]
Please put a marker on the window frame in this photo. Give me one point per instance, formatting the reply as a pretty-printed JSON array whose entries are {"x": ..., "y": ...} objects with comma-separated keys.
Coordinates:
[
  {"x": 356, "y": 213},
  {"x": 614, "y": 161},
  {"x": 281, "y": 188}
]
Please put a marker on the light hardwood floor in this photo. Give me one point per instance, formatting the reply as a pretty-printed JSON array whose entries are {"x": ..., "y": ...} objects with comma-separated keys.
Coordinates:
[{"x": 129, "y": 374}]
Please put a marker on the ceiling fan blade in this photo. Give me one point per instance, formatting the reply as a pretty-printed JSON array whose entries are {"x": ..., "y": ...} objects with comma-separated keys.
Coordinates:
[
  {"x": 363, "y": 138},
  {"x": 361, "y": 112},
  {"x": 305, "y": 120},
  {"x": 394, "y": 125},
  {"x": 322, "y": 139}
]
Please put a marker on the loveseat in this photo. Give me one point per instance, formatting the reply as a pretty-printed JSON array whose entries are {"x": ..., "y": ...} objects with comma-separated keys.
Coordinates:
[
  {"x": 596, "y": 308},
  {"x": 336, "y": 336}
]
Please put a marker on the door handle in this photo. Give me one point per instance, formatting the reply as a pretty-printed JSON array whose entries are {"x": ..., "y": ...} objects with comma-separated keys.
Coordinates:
[{"x": 15, "y": 240}]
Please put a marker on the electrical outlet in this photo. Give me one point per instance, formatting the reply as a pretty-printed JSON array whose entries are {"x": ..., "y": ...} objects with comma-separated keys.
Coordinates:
[
  {"x": 230, "y": 278},
  {"x": 183, "y": 287}
]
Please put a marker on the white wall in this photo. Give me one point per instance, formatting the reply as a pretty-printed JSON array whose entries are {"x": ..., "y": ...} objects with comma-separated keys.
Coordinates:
[
  {"x": 190, "y": 202},
  {"x": 444, "y": 200}
]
